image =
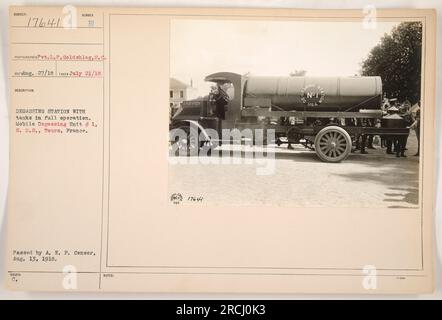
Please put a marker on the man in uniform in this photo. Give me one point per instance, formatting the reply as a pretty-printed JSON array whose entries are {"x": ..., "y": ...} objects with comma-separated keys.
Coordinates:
[
  {"x": 391, "y": 144},
  {"x": 391, "y": 141},
  {"x": 402, "y": 139},
  {"x": 361, "y": 139},
  {"x": 370, "y": 137},
  {"x": 221, "y": 100},
  {"x": 417, "y": 128}
]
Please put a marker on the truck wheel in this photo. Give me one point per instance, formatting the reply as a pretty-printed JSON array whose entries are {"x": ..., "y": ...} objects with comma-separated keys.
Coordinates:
[
  {"x": 187, "y": 145},
  {"x": 332, "y": 144}
]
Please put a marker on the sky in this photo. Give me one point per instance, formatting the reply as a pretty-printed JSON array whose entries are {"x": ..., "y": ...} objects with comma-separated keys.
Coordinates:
[{"x": 202, "y": 47}]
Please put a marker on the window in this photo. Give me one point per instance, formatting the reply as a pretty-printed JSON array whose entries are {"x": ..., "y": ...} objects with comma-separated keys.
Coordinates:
[
  {"x": 181, "y": 94},
  {"x": 171, "y": 93}
]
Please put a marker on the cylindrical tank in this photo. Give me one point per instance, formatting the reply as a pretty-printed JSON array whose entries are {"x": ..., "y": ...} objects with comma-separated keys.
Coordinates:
[{"x": 316, "y": 93}]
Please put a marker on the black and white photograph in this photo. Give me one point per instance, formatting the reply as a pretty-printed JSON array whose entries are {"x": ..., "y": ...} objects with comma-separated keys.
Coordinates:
[
  {"x": 221, "y": 152},
  {"x": 295, "y": 113}
]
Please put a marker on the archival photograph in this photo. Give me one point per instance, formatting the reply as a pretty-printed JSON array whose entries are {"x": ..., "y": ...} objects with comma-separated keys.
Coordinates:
[{"x": 295, "y": 113}]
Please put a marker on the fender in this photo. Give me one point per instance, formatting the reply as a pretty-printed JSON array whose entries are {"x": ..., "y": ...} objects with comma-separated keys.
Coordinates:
[{"x": 196, "y": 124}]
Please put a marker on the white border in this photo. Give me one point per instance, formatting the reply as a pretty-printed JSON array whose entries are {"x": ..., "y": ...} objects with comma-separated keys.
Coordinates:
[{"x": 306, "y": 4}]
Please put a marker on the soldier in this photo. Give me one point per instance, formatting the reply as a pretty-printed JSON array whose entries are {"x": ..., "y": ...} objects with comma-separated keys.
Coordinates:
[
  {"x": 385, "y": 103},
  {"x": 391, "y": 142},
  {"x": 417, "y": 127},
  {"x": 370, "y": 137},
  {"x": 361, "y": 139},
  {"x": 353, "y": 122},
  {"x": 406, "y": 104},
  {"x": 402, "y": 139},
  {"x": 221, "y": 100}
]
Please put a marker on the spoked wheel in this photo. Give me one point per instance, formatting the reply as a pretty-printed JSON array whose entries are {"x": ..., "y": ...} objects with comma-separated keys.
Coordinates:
[
  {"x": 187, "y": 144},
  {"x": 332, "y": 144}
]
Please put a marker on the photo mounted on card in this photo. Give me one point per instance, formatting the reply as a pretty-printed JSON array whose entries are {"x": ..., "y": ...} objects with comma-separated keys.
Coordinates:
[
  {"x": 221, "y": 150},
  {"x": 265, "y": 124}
]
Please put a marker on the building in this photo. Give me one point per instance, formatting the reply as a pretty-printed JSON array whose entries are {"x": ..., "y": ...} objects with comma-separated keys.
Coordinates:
[{"x": 179, "y": 92}]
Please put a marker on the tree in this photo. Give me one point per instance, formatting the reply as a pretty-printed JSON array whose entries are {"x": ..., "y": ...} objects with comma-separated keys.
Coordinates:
[{"x": 397, "y": 60}]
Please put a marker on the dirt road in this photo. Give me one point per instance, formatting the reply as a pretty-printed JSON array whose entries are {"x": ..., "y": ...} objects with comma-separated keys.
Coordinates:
[{"x": 300, "y": 179}]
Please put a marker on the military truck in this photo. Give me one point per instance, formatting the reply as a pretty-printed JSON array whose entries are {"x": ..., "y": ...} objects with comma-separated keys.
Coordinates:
[{"x": 324, "y": 114}]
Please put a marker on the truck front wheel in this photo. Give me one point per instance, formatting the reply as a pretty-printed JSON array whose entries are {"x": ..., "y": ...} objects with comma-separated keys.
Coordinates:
[{"x": 186, "y": 143}]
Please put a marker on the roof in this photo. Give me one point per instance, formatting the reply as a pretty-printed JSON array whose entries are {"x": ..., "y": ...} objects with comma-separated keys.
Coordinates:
[
  {"x": 222, "y": 77},
  {"x": 177, "y": 84}
]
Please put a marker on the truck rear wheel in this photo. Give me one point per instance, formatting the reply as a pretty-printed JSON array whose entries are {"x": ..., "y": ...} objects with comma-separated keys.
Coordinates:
[{"x": 332, "y": 144}]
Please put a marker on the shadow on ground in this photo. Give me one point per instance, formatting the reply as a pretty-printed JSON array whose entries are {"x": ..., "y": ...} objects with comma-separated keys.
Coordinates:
[{"x": 399, "y": 175}]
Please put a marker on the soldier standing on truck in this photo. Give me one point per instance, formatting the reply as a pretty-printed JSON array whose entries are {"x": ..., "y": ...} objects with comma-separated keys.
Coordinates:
[{"x": 221, "y": 100}]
